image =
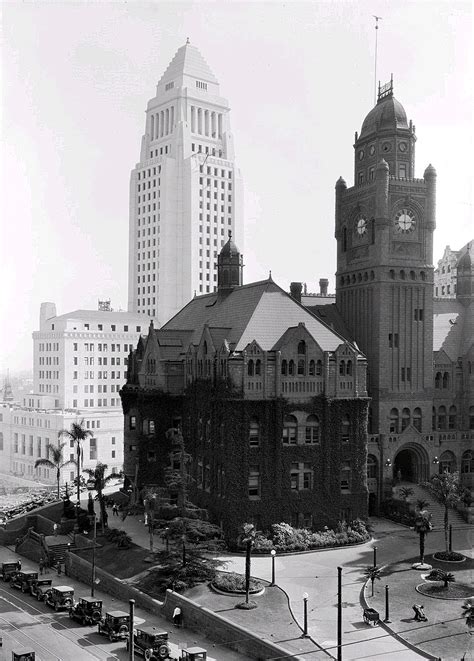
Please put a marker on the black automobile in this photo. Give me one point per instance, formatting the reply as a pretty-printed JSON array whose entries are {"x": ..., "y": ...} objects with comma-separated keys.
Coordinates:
[
  {"x": 23, "y": 579},
  {"x": 151, "y": 644},
  {"x": 115, "y": 625},
  {"x": 87, "y": 610},
  {"x": 9, "y": 568},
  {"x": 60, "y": 597}
]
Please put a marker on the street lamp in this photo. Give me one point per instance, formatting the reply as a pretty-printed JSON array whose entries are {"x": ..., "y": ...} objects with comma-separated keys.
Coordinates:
[
  {"x": 273, "y": 554},
  {"x": 184, "y": 550},
  {"x": 375, "y": 556},
  {"x": 93, "y": 555},
  {"x": 305, "y": 612},
  {"x": 167, "y": 538}
]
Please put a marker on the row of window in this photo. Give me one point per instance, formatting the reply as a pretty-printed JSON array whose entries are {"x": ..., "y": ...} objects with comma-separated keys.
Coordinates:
[
  {"x": 49, "y": 360},
  {"x": 49, "y": 346},
  {"x": 301, "y": 478},
  {"x": 442, "y": 380},
  {"x": 365, "y": 276},
  {"x": 101, "y": 374},
  {"x": 90, "y": 346}
]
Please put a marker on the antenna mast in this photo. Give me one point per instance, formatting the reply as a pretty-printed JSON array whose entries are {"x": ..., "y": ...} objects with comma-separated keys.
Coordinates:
[{"x": 377, "y": 19}]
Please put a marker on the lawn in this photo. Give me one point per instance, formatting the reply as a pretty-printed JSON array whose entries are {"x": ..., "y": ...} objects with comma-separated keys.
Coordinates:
[{"x": 121, "y": 563}]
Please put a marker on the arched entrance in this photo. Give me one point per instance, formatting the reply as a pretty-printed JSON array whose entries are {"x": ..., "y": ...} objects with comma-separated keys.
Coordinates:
[{"x": 411, "y": 464}]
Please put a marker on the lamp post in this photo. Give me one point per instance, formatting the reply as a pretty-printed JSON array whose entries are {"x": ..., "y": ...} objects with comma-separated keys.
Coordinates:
[
  {"x": 339, "y": 614},
  {"x": 131, "y": 648},
  {"x": 273, "y": 554},
  {"x": 387, "y": 612},
  {"x": 93, "y": 556},
  {"x": 375, "y": 556},
  {"x": 305, "y": 614},
  {"x": 184, "y": 550},
  {"x": 167, "y": 539}
]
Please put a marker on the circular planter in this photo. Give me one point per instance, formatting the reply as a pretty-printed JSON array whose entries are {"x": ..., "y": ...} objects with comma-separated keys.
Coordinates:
[
  {"x": 421, "y": 566},
  {"x": 461, "y": 559},
  {"x": 237, "y": 593},
  {"x": 437, "y": 591}
]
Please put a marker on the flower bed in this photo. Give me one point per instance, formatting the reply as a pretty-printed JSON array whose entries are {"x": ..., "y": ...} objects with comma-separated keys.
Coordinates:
[
  {"x": 233, "y": 583},
  {"x": 449, "y": 556},
  {"x": 437, "y": 591}
]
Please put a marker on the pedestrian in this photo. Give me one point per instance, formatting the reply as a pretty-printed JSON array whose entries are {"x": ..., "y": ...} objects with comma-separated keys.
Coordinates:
[
  {"x": 146, "y": 519},
  {"x": 115, "y": 509},
  {"x": 55, "y": 529},
  {"x": 399, "y": 476},
  {"x": 177, "y": 616},
  {"x": 419, "y": 613},
  {"x": 41, "y": 566},
  {"x": 59, "y": 569}
]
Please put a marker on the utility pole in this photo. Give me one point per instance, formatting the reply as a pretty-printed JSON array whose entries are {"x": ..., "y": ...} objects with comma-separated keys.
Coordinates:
[
  {"x": 93, "y": 557},
  {"x": 131, "y": 649},
  {"x": 339, "y": 614}
]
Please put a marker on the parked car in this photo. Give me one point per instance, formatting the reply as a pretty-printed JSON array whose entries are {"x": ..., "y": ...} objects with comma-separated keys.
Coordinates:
[
  {"x": 87, "y": 610},
  {"x": 150, "y": 643},
  {"x": 39, "y": 587},
  {"x": 194, "y": 654},
  {"x": 22, "y": 580},
  {"x": 23, "y": 655},
  {"x": 60, "y": 597},
  {"x": 115, "y": 625},
  {"x": 9, "y": 568}
]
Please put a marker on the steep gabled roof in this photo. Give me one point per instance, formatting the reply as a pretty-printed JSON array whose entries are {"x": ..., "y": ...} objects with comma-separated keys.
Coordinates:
[
  {"x": 260, "y": 311},
  {"x": 453, "y": 327}
]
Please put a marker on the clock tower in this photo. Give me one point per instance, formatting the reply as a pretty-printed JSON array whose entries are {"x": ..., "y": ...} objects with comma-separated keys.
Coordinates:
[{"x": 384, "y": 282}]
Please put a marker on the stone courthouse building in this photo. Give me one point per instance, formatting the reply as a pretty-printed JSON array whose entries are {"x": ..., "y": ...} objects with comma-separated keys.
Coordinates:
[{"x": 307, "y": 413}]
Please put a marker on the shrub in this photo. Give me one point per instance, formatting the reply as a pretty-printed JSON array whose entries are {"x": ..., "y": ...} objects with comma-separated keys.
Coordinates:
[{"x": 233, "y": 582}]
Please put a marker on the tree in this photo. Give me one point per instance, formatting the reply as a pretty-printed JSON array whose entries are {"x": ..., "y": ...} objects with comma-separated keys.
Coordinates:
[
  {"x": 77, "y": 434},
  {"x": 248, "y": 539},
  {"x": 372, "y": 573},
  {"x": 405, "y": 492},
  {"x": 446, "y": 489},
  {"x": 98, "y": 474},
  {"x": 421, "y": 504},
  {"x": 176, "y": 475},
  {"x": 441, "y": 575},
  {"x": 422, "y": 526},
  {"x": 468, "y": 608},
  {"x": 56, "y": 462}
]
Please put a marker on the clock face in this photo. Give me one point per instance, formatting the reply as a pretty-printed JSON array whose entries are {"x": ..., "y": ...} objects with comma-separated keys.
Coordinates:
[
  {"x": 361, "y": 225},
  {"x": 402, "y": 146},
  {"x": 361, "y": 154},
  {"x": 386, "y": 146},
  {"x": 405, "y": 221},
  {"x": 372, "y": 150}
]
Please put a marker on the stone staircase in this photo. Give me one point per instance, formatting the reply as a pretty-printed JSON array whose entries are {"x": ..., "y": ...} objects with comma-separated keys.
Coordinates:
[
  {"x": 435, "y": 508},
  {"x": 57, "y": 548}
]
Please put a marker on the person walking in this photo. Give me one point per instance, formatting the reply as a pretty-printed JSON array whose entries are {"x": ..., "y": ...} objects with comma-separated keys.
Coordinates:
[
  {"x": 115, "y": 509},
  {"x": 55, "y": 529},
  {"x": 41, "y": 566},
  {"x": 177, "y": 617}
]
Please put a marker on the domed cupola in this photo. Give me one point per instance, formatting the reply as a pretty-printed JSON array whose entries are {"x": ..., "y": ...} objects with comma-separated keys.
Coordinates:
[
  {"x": 387, "y": 134},
  {"x": 229, "y": 267}
]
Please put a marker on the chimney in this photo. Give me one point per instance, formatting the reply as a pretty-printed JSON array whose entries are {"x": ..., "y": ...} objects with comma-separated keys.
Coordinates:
[
  {"x": 295, "y": 290},
  {"x": 323, "y": 286}
]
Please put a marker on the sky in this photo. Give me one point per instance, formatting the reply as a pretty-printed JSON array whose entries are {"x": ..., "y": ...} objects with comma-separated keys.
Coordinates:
[{"x": 299, "y": 76}]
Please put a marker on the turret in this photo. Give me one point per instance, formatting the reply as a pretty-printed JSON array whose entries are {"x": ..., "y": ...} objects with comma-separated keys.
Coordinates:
[
  {"x": 229, "y": 267},
  {"x": 430, "y": 179}
]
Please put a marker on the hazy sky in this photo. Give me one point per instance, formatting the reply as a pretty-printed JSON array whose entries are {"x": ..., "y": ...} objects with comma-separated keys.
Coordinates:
[{"x": 76, "y": 77}]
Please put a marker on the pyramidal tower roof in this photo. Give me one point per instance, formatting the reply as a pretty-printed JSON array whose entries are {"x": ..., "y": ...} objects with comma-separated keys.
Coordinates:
[{"x": 188, "y": 61}]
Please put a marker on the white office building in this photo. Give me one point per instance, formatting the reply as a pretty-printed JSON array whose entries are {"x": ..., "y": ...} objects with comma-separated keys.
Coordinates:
[{"x": 186, "y": 191}]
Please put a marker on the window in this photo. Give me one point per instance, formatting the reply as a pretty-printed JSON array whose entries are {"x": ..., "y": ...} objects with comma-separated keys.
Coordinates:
[
  {"x": 254, "y": 482},
  {"x": 467, "y": 462},
  {"x": 452, "y": 417},
  {"x": 446, "y": 380},
  {"x": 290, "y": 429},
  {"x": 302, "y": 347},
  {"x": 301, "y": 367},
  {"x": 291, "y": 368},
  {"x": 254, "y": 433},
  {"x": 342, "y": 368},
  {"x": 371, "y": 467},
  {"x": 250, "y": 368},
  {"x": 349, "y": 368},
  {"x": 345, "y": 476},
  {"x": 301, "y": 477},
  {"x": 258, "y": 367},
  {"x": 394, "y": 421},
  {"x": 393, "y": 340},
  {"x": 417, "y": 419},
  {"x": 418, "y": 312},
  {"x": 93, "y": 448},
  {"x": 312, "y": 430},
  {"x": 319, "y": 368},
  {"x": 471, "y": 417},
  {"x": 405, "y": 418},
  {"x": 345, "y": 428},
  {"x": 284, "y": 367},
  {"x": 442, "y": 418},
  {"x": 312, "y": 368},
  {"x": 438, "y": 379},
  {"x": 133, "y": 422}
]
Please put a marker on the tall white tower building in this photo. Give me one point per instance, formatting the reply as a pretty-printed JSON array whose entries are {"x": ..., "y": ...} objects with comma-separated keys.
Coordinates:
[{"x": 186, "y": 191}]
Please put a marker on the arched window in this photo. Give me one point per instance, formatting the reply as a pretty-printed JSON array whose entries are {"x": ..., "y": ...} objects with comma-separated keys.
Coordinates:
[
  {"x": 312, "y": 368},
  {"x": 301, "y": 367},
  {"x": 370, "y": 421},
  {"x": 447, "y": 462},
  {"x": 291, "y": 368},
  {"x": 345, "y": 428},
  {"x": 405, "y": 418},
  {"x": 254, "y": 433},
  {"x": 467, "y": 462},
  {"x": 442, "y": 417},
  {"x": 438, "y": 380},
  {"x": 290, "y": 430},
  {"x": 452, "y": 417},
  {"x": 402, "y": 275},
  {"x": 342, "y": 368},
  {"x": 394, "y": 421},
  {"x": 250, "y": 368},
  {"x": 446, "y": 380},
  {"x": 344, "y": 239},
  {"x": 205, "y": 348},
  {"x": 284, "y": 367},
  {"x": 319, "y": 368},
  {"x": 302, "y": 347},
  {"x": 372, "y": 466},
  {"x": 258, "y": 367},
  {"x": 392, "y": 274},
  {"x": 433, "y": 418},
  {"x": 417, "y": 418},
  {"x": 349, "y": 368},
  {"x": 312, "y": 429}
]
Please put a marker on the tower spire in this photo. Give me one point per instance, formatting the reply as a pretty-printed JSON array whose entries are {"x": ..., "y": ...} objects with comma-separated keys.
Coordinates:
[{"x": 377, "y": 19}]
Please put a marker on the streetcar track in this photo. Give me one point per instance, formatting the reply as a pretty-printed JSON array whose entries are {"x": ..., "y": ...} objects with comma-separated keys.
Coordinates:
[{"x": 52, "y": 620}]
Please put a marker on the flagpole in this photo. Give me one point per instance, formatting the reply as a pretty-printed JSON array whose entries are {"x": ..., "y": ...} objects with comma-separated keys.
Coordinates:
[{"x": 377, "y": 19}]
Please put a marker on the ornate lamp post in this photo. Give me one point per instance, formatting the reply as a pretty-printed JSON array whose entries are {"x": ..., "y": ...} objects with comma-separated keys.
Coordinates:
[
  {"x": 305, "y": 614},
  {"x": 273, "y": 554}
]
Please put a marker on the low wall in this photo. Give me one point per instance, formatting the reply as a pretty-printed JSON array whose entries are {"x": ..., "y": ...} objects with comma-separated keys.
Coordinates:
[{"x": 196, "y": 617}]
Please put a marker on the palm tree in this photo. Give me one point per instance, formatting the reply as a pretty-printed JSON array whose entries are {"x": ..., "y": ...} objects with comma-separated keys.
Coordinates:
[
  {"x": 468, "y": 608},
  {"x": 422, "y": 526},
  {"x": 77, "y": 434},
  {"x": 56, "y": 462},
  {"x": 371, "y": 573},
  {"x": 446, "y": 489},
  {"x": 441, "y": 575},
  {"x": 405, "y": 492},
  {"x": 98, "y": 475},
  {"x": 421, "y": 504},
  {"x": 248, "y": 539}
]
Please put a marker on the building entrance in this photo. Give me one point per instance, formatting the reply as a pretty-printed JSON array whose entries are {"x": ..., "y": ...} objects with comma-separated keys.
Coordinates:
[{"x": 411, "y": 465}]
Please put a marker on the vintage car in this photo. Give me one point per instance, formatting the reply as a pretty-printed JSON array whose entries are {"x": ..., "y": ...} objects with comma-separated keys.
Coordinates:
[
  {"x": 150, "y": 643},
  {"x": 22, "y": 580},
  {"x": 9, "y": 568},
  {"x": 39, "y": 587},
  {"x": 114, "y": 625},
  {"x": 60, "y": 597},
  {"x": 87, "y": 610},
  {"x": 194, "y": 654},
  {"x": 25, "y": 654}
]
